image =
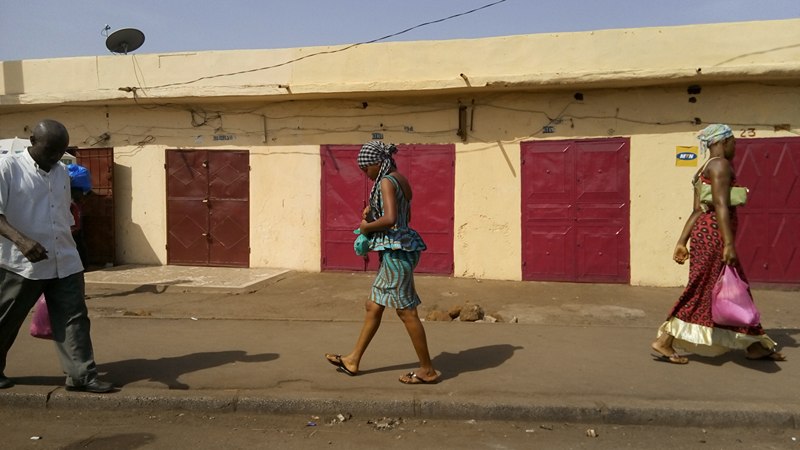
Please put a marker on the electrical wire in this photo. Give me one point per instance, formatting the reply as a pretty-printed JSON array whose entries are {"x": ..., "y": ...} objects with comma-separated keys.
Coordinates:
[{"x": 328, "y": 52}]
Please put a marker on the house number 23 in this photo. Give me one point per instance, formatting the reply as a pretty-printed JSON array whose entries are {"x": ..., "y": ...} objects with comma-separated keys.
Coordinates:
[{"x": 748, "y": 132}]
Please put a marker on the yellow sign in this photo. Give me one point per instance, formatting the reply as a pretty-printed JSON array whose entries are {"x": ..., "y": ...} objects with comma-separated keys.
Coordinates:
[{"x": 686, "y": 156}]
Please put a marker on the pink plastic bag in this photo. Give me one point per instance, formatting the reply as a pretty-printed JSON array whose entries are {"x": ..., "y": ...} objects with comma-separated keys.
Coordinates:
[
  {"x": 40, "y": 324},
  {"x": 731, "y": 303}
]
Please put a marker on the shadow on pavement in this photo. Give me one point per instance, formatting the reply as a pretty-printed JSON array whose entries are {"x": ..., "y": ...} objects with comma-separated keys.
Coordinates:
[
  {"x": 168, "y": 370},
  {"x": 159, "y": 288},
  {"x": 785, "y": 338},
  {"x": 40, "y": 381},
  {"x": 129, "y": 441},
  {"x": 453, "y": 364},
  {"x": 480, "y": 358}
]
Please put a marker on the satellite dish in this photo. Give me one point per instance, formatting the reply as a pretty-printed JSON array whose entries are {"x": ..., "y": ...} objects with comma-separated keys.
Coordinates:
[{"x": 125, "y": 40}]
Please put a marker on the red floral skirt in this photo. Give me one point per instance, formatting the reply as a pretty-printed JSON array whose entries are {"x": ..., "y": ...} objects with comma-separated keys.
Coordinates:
[{"x": 693, "y": 309}]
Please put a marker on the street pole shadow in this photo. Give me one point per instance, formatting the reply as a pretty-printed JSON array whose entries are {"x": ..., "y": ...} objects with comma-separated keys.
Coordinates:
[
  {"x": 168, "y": 370},
  {"x": 158, "y": 288}
]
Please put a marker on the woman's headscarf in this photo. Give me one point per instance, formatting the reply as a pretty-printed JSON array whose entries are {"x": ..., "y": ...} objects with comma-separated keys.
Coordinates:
[
  {"x": 712, "y": 134},
  {"x": 377, "y": 152}
]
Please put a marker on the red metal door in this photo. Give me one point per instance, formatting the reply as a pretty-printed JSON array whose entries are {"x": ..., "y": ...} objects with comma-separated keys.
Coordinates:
[
  {"x": 229, "y": 208},
  {"x": 575, "y": 211},
  {"x": 345, "y": 190},
  {"x": 98, "y": 208},
  {"x": 343, "y": 200},
  {"x": 767, "y": 240},
  {"x": 208, "y": 208},
  {"x": 430, "y": 170}
]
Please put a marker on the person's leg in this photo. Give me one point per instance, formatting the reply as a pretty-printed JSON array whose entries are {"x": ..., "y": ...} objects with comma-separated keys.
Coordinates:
[
  {"x": 663, "y": 346},
  {"x": 372, "y": 321},
  {"x": 416, "y": 332},
  {"x": 17, "y": 297},
  {"x": 69, "y": 318}
]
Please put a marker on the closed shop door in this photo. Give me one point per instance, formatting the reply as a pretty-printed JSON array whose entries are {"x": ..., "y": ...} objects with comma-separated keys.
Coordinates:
[
  {"x": 98, "y": 207},
  {"x": 208, "y": 219},
  {"x": 768, "y": 238},
  {"x": 345, "y": 189},
  {"x": 575, "y": 210}
]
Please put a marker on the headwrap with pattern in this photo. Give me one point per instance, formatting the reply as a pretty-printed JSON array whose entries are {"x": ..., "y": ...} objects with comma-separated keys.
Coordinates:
[
  {"x": 377, "y": 152},
  {"x": 712, "y": 134}
]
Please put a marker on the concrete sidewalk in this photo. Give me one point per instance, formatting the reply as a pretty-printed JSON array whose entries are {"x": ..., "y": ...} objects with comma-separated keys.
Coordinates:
[{"x": 580, "y": 353}]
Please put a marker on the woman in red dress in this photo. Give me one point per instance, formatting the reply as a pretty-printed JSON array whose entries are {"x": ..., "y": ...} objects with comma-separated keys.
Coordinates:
[{"x": 712, "y": 229}]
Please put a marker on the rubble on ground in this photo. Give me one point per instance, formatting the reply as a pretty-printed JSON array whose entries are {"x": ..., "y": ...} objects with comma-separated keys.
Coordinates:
[{"x": 467, "y": 312}]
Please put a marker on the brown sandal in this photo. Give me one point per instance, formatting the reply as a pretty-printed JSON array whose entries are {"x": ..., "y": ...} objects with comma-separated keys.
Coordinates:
[
  {"x": 413, "y": 378},
  {"x": 673, "y": 358},
  {"x": 772, "y": 355}
]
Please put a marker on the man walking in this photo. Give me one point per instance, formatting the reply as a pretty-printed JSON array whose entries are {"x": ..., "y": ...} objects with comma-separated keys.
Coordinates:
[{"x": 38, "y": 256}]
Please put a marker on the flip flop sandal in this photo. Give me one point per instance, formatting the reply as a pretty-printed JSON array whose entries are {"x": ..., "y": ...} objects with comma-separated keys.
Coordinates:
[
  {"x": 336, "y": 360},
  {"x": 673, "y": 358},
  {"x": 412, "y": 378},
  {"x": 771, "y": 356}
]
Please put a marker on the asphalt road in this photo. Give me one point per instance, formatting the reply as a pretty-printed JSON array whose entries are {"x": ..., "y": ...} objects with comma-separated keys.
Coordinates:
[{"x": 186, "y": 430}]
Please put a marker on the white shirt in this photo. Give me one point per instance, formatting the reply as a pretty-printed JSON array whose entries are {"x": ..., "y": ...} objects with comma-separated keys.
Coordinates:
[{"x": 36, "y": 203}]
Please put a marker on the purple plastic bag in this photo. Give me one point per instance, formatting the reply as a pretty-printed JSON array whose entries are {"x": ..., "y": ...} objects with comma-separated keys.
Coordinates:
[
  {"x": 40, "y": 324},
  {"x": 731, "y": 303}
]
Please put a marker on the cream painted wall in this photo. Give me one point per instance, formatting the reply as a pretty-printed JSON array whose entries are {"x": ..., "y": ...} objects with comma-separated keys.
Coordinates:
[
  {"x": 487, "y": 211},
  {"x": 332, "y": 101},
  {"x": 285, "y": 186},
  {"x": 661, "y": 200},
  {"x": 285, "y": 207},
  {"x": 605, "y": 58},
  {"x": 140, "y": 204}
]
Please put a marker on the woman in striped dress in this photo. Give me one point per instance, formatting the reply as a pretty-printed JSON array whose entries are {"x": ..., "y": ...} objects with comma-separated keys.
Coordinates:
[{"x": 385, "y": 221}]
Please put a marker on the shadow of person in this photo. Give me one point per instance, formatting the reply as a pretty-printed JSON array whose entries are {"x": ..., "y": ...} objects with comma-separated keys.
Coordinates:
[
  {"x": 168, "y": 370},
  {"x": 481, "y": 358},
  {"x": 452, "y": 364},
  {"x": 785, "y": 337}
]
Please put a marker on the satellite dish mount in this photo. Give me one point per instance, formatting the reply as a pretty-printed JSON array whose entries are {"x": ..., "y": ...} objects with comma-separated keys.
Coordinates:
[{"x": 125, "y": 40}]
